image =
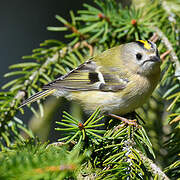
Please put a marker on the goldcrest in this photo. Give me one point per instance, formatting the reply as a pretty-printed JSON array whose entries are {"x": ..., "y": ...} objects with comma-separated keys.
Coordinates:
[{"x": 118, "y": 80}]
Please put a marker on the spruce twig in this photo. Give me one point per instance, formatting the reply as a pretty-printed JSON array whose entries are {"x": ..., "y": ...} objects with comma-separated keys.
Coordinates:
[
  {"x": 152, "y": 167},
  {"x": 41, "y": 69},
  {"x": 172, "y": 53}
]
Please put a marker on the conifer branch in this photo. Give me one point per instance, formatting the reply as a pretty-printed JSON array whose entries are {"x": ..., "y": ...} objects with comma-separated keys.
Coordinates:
[
  {"x": 152, "y": 167},
  {"x": 21, "y": 94},
  {"x": 172, "y": 53}
]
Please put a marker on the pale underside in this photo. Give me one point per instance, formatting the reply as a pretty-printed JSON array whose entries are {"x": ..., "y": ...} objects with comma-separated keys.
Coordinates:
[
  {"x": 112, "y": 91},
  {"x": 120, "y": 102}
]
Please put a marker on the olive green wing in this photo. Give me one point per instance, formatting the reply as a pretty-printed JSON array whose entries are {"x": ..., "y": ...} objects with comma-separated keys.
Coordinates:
[{"x": 87, "y": 77}]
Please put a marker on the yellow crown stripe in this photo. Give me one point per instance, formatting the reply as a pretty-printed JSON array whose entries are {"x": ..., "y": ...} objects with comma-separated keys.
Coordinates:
[{"x": 147, "y": 45}]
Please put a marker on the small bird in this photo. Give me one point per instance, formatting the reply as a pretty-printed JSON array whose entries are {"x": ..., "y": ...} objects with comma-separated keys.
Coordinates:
[{"x": 118, "y": 80}]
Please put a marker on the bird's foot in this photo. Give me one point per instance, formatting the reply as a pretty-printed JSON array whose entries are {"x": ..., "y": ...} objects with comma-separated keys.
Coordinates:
[{"x": 125, "y": 121}]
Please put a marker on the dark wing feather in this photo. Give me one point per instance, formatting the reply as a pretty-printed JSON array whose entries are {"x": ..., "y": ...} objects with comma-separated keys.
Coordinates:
[{"x": 87, "y": 77}]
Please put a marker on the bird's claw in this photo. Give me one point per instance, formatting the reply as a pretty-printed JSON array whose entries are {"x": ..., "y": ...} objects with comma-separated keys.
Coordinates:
[{"x": 125, "y": 121}]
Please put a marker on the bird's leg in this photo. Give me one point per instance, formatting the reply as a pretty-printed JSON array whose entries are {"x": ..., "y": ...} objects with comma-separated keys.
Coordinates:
[{"x": 125, "y": 120}]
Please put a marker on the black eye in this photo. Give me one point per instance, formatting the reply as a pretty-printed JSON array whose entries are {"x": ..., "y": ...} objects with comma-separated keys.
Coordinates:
[{"x": 139, "y": 56}]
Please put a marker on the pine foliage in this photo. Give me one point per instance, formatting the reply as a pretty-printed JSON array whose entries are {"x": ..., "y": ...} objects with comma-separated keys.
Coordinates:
[{"x": 97, "y": 148}]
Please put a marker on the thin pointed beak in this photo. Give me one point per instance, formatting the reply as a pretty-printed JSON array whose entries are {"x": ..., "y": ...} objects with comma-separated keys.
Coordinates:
[{"x": 155, "y": 59}]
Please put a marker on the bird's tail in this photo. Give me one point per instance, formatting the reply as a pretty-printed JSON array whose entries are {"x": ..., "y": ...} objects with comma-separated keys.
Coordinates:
[{"x": 37, "y": 96}]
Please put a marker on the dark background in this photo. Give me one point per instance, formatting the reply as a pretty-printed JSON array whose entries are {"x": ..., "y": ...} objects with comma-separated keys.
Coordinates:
[{"x": 23, "y": 27}]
